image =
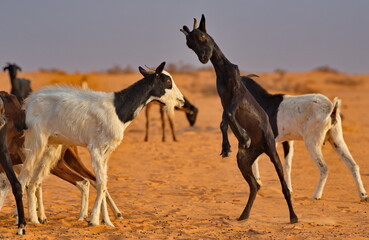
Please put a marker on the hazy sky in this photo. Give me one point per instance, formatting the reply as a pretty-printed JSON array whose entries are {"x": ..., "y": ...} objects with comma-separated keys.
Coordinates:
[{"x": 85, "y": 35}]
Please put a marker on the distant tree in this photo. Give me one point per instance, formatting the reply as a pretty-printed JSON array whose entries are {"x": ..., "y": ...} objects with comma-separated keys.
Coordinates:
[{"x": 326, "y": 69}]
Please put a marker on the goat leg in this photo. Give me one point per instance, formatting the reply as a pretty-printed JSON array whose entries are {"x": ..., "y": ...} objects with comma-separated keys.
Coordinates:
[
  {"x": 226, "y": 147},
  {"x": 239, "y": 131}
]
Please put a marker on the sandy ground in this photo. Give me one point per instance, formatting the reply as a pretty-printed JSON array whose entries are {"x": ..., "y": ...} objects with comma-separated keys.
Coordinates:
[{"x": 185, "y": 190}]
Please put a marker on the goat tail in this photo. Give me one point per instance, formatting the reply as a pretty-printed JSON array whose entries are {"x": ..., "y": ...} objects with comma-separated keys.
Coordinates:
[{"x": 336, "y": 111}]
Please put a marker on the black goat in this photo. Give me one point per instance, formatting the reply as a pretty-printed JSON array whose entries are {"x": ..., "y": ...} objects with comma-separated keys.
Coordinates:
[
  {"x": 191, "y": 114},
  {"x": 21, "y": 87},
  {"x": 246, "y": 118}
]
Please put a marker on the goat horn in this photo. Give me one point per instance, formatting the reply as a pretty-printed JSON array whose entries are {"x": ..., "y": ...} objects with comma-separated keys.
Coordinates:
[
  {"x": 195, "y": 24},
  {"x": 151, "y": 68}
]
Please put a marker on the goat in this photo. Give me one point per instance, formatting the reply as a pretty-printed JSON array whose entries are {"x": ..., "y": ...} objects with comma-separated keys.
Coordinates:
[
  {"x": 247, "y": 119},
  {"x": 191, "y": 114},
  {"x": 5, "y": 124},
  {"x": 69, "y": 168},
  {"x": 58, "y": 115},
  {"x": 312, "y": 118},
  {"x": 21, "y": 87}
]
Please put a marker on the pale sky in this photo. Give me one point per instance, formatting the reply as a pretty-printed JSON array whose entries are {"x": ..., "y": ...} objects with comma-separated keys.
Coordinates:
[{"x": 258, "y": 36}]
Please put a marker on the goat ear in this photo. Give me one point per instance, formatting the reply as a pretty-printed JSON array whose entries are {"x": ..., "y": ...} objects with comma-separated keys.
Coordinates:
[
  {"x": 185, "y": 30},
  {"x": 19, "y": 68},
  {"x": 160, "y": 68},
  {"x": 202, "y": 24},
  {"x": 5, "y": 68},
  {"x": 143, "y": 71}
]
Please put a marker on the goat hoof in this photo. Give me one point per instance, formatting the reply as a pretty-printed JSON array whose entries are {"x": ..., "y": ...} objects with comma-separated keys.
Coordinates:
[
  {"x": 242, "y": 219},
  {"x": 21, "y": 231},
  {"x": 34, "y": 220},
  {"x": 43, "y": 221},
  {"x": 226, "y": 149},
  {"x": 224, "y": 154},
  {"x": 364, "y": 199},
  {"x": 91, "y": 224},
  {"x": 294, "y": 220},
  {"x": 119, "y": 216}
]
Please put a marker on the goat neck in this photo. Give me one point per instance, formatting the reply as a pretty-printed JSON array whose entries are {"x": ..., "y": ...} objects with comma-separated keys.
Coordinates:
[
  {"x": 228, "y": 74},
  {"x": 128, "y": 102}
]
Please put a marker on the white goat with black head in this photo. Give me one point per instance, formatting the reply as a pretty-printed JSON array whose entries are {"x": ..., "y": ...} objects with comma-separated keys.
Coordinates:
[
  {"x": 58, "y": 115},
  {"x": 312, "y": 118}
]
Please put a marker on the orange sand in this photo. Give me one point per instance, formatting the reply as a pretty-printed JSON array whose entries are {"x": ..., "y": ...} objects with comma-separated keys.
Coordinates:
[{"x": 185, "y": 190}]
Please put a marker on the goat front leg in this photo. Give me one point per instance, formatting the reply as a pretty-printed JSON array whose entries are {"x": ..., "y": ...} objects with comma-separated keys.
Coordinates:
[
  {"x": 226, "y": 147},
  {"x": 99, "y": 164},
  {"x": 40, "y": 205},
  {"x": 240, "y": 132}
]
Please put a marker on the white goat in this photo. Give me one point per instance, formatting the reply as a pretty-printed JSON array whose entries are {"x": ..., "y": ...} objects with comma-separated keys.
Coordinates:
[
  {"x": 65, "y": 115},
  {"x": 312, "y": 118}
]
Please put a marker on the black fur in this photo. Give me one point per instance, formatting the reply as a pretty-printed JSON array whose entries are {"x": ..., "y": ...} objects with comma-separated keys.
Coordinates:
[
  {"x": 128, "y": 100},
  {"x": 269, "y": 102}
]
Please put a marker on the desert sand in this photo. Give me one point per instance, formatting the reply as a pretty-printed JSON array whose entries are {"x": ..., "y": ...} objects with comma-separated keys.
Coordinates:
[{"x": 185, "y": 190}]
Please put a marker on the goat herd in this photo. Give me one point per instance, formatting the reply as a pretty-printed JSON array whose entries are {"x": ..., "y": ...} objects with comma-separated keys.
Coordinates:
[{"x": 39, "y": 131}]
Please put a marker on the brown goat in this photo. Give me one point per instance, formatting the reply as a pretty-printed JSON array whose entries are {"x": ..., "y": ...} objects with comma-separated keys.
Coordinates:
[
  {"x": 7, "y": 123},
  {"x": 191, "y": 114}
]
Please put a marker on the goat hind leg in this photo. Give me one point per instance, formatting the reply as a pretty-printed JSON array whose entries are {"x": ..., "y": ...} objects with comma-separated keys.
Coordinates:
[
  {"x": 273, "y": 155},
  {"x": 244, "y": 161},
  {"x": 339, "y": 145},
  {"x": 41, "y": 170},
  {"x": 288, "y": 154}
]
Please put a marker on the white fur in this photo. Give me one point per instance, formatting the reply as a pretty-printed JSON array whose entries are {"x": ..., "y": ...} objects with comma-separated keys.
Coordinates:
[
  {"x": 308, "y": 118},
  {"x": 58, "y": 115}
]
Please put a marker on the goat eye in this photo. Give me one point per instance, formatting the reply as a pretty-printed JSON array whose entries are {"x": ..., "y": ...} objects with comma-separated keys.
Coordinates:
[
  {"x": 169, "y": 82},
  {"x": 202, "y": 38}
]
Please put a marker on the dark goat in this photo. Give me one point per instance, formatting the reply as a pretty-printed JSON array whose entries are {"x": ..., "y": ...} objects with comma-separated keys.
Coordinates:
[
  {"x": 21, "y": 87},
  {"x": 312, "y": 118},
  {"x": 69, "y": 166},
  {"x": 6, "y": 123},
  {"x": 191, "y": 114},
  {"x": 246, "y": 118}
]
